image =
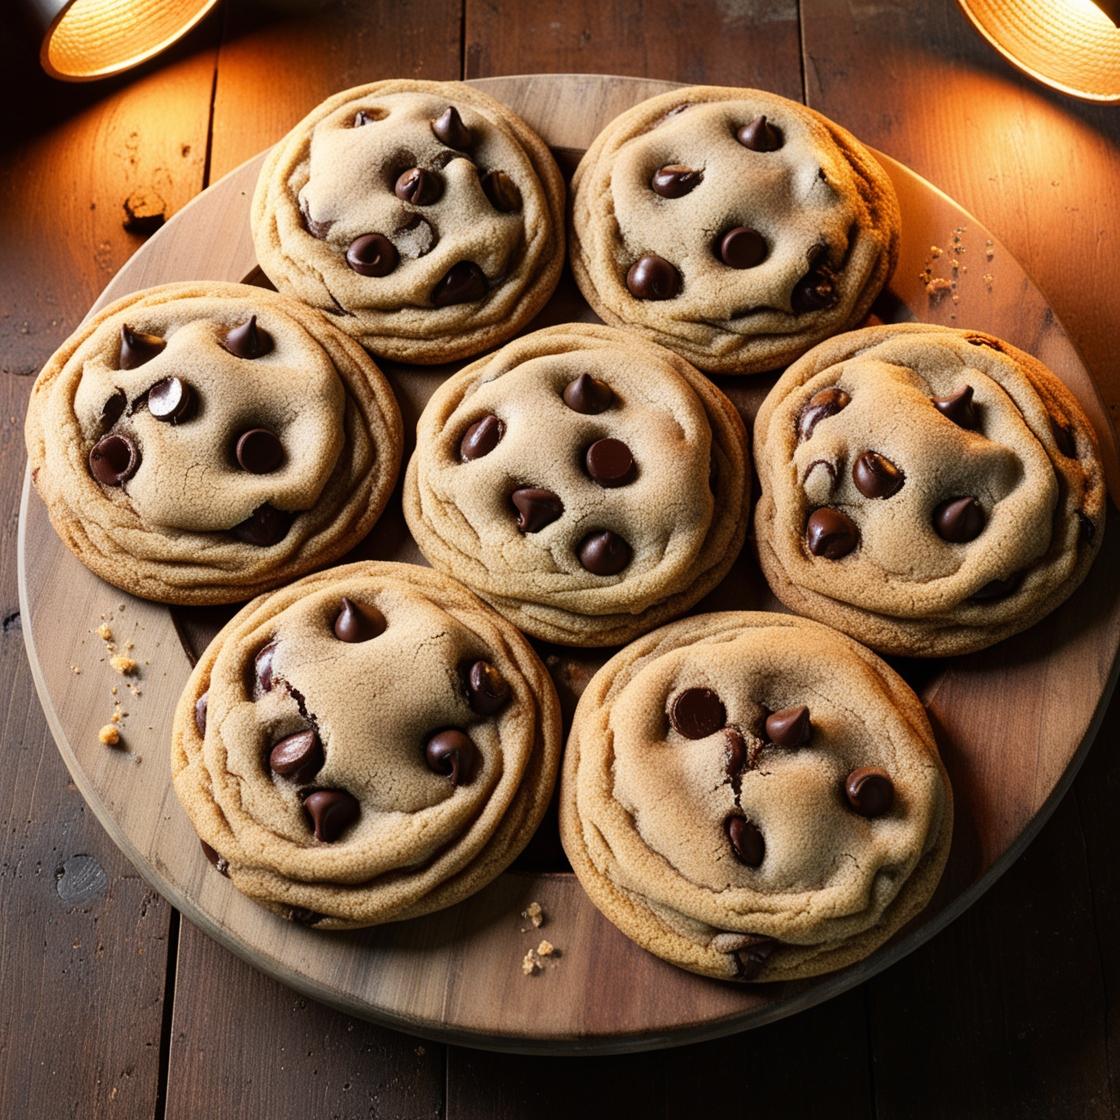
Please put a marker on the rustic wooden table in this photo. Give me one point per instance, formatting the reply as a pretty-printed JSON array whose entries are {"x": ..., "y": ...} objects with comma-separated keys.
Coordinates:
[{"x": 113, "y": 1007}]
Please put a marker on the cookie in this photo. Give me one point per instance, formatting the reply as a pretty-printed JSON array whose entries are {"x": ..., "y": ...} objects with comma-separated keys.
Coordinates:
[
  {"x": 425, "y": 218},
  {"x": 753, "y": 796},
  {"x": 202, "y": 442},
  {"x": 586, "y": 483},
  {"x": 368, "y": 744},
  {"x": 929, "y": 491},
  {"x": 731, "y": 225}
]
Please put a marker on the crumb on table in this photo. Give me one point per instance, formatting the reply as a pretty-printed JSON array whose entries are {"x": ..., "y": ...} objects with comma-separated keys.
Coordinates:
[
  {"x": 530, "y": 963},
  {"x": 123, "y": 665},
  {"x": 109, "y": 736},
  {"x": 104, "y": 632},
  {"x": 533, "y": 913},
  {"x": 546, "y": 949}
]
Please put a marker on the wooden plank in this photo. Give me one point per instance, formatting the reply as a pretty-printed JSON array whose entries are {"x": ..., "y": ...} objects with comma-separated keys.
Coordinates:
[{"x": 83, "y": 947}]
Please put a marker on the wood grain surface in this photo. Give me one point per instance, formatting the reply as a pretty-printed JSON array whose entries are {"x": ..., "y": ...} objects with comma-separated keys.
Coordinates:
[{"x": 1008, "y": 1013}]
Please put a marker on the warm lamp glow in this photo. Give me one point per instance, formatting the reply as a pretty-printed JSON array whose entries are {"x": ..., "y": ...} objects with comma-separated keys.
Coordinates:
[
  {"x": 1071, "y": 45},
  {"x": 87, "y": 39}
]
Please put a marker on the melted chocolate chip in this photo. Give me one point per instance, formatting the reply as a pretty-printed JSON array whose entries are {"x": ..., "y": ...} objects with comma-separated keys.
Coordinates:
[
  {"x": 790, "y": 727},
  {"x": 220, "y": 862},
  {"x": 487, "y": 690},
  {"x": 464, "y": 282},
  {"x": 247, "y": 340},
  {"x": 609, "y": 463},
  {"x": 1064, "y": 438},
  {"x": 200, "y": 712},
  {"x": 299, "y": 756},
  {"x": 317, "y": 229},
  {"x": 958, "y": 407},
  {"x": 759, "y": 135},
  {"x": 502, "y": 192},
  {"x": 652, "y": 277},
  {"x": 822, "y": 404},
  {"x": 113, "y": 460},
  {"x": 536, "y": 508},
  {"x": 372, "y": 254},
  {"x": 113, "y": 408},
  {"x": 1088, "y": 528},
  {"x": 481, "y": 438},
  {"x": 675, "y": 180},
  {"x": 450, "y": 130},
  {"x": 332, "y": 812},
  {"x": 736, "y": 757},
  {"x": 266, "y": 525},
  {"x": 959, "y": 520},
  {"x": 588, "y": 395},
  {"x": 831, "y": 533},
  {"x": 171, "y": 400},
  {"x": 452, "y": 753},
  {"x": 752, "y": 959},
  {"x": 870, "y": 792},
  {"x": 816, "y": 290},
  {"x": 418, "y": 186},
  {"x": 746, "y": 840},
  {"x": 997, "y": 588},
  {"x": 301, "y": 916},
  {"x": 355, "y": 623},
  {"x": 697, "y": 713},
  {"x": 604, "y": 553},
  {"x": 262, "y": 667},
  {"x": 875, "y": 476},
  {"x": 259, "y": 451},
  {"x": 138, "y": 347},
  {"x": 741, "y": 247}
]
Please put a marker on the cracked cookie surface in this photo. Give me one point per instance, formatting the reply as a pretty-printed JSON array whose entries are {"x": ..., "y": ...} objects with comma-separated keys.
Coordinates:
[
  {"x": 753, "y": 796},
  {"x": 732, "y": 225},
  {"x": 586, "y": 483},
  {"x": 927, "y": 490},
  {"x": 202, "y": 442},
  {"x": 425, "y": 218},
  {"x": 368, "y": 744}
]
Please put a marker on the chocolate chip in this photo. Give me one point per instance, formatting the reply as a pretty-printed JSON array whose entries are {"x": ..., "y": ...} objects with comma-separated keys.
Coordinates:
[
  {"x": 332, "y": 812},
  {"x": 200, "y": 712},
  {"x": 588, "y": 395},
  {"x": 1088, "y": 528},
  {"x": 869, "y": 791},
  {"x": 997, "y": 588},
  {"x": 316, "y": 229},
  {"x": 675, "y": 180},
  {"x": 301, "y": 916},
  {"x": 876, "y": 476},
  {"x": 609, "y": 463},
  {"x": 1064, "y": 438},
  {"x": 138, "y": 347},
  {"x": 171, "y": 400},
  {"x": 959, "y": 520},
  {"x": 816, "y": 290},
  {"x": 220, "y": 862},
  {"x": 741, "y": 247},
  {"x": 736, "y": 747},
  {"x": 113, "y": 460},
  {"x": 746, "y": 840},
  {"x": 759, "y": 135},
  {"x": 298, "y": 756},
  {"x": 822, "y": 404},
  {"x": 789, "y": 727},
  {"x": 536, "y": 508},
  {"x": 259, "y": 451},
  {"x": 450, "y": 130},
  {"x": 266, "y": 525},
  {"x": 487, "y": 690},
  {"x": 418, "y": 186},
  {"x": 368, "y": 116},
  {"x": 831, "y": 533},
  {"x": 502, "y": 192},
  {"x": 958, "y": 407},
  {"x": 113, "y": 408},
  {"x": 355, "y": 623},
  {"x": 372, "y": 254},
  {"x": 262, "y": 667},
  {"x": 697, "y": 713},
  {"x": 247, "y": 340},
  {"x": 481, "y": 438},
  {"x": 453, "y": 753},
  {"x": 653, "y": 277},
  {"x": 604, "y": 553},
  {"x": 753, "y": 958},
  {"x": 464, "y": 282}
]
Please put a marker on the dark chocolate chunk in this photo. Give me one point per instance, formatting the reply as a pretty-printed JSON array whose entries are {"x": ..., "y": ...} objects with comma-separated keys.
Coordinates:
[
  {"x": 368, "y": 116},
  {"x": 355, "y": 623},
  {"x": 220, "y": 862},
  {"x": 113, "y": 408},
  {"x": 870, "y": 791},
  {"x": 316, "y": 229},
  {"x": 1088, "y": 528},
  {"x": 959, "y": 520},
  {"x": 604, "y": 553},
  {"x": 822, "y": 404},
  {"x": 372, "y": 254},
  {"x": 588, "y": 395},
  {"x": 831, "y": 533},
  {"x": 746, "y": 840},
  {"x": 697, "y": 713},
  {"x": 675, "y": 180},
  {"x": 301, "y": 916},
  {"x": 262, "y": 667},
  {"x": 502, "y": 192},
  {"x": 741, "y": 247},
  {"x": 609, "y": 463},
  {"x": 259, "y": 451},
  {"x": 453, "y": 753},
  {"x": 138, "y": 347},
  {"x": 247, "y": 340},
  {"x": 332, "y": 812},
  {"x": 200, "y": 712},
  {"x": 536, "y": 508},
  {"x": 790, "y": 727},
  {"x": 481, "y": 438},
  {"x": 266, "y": 525},
  {"x": 759, "y": 135},
  {"x": 464, "y": 282},
  {"x": 816, "y": 290},
  {"x": 487, "y": 690},
  {"x": 752, "y": 959},
  {"x": 958, "y": 407},
  {"x": 418, "y": 186},
  {"x": 171, "y": 400},
  {"x": 114, "y": 459},
  {"x": 1064, "y": 438},
  {"x": 875, "y": 476},
  {"x": 997, "y": 588},
  {"x": 653, "y": 277},
  {"x": 736, "y": 747},
  {"x": 450, "y": 130},
  {"x": 298, "y": 756}
]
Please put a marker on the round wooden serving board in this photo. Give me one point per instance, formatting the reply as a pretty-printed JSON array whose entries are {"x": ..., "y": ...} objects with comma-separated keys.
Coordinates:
[{"x": 1013, "y": 722}]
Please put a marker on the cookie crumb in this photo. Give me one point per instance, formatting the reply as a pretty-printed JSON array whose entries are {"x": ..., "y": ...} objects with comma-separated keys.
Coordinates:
[
  {"x": 935, "y": 251},
  {"x": 123, "y": 665},
  {"x": 937, "y": 286},
  {"x": 534, "y": 914},
  {"x": 547, "y": 949},
  {"x": 420, "y": 1051},
  {"x": 530, "y": 963},
  {"x": 109, "y": 736},
  {"x": 988, "y": 280},
  {"x": 104, "y": 633}
]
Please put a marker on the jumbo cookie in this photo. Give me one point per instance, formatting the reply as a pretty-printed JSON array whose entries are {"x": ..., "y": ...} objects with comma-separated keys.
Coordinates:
[
  {"x": 753, "y": 796},
  {"x": 425, "y": 218},
  {"x": 585, "y": 482},
  {"x": 731, "y": 225},
  {"x": 201, "y": 442},
  {"x": 928, "y": 490},
  {"x": 368, "y": 744}
]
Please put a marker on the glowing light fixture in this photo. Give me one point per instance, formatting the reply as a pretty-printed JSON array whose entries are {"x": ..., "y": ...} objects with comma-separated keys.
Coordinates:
[
  {"x": 1071, "y": 45},
  {"x": 88, "y": 39}
]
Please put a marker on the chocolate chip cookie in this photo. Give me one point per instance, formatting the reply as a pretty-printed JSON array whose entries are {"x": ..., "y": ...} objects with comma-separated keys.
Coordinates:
[
  {"x": 425, "y": 218},
  {"x": 753, "y": 796},
  {"x": 927, "y": 490},
  {"x": 585, "y": 482},
  {"x": 731, "y": 225},
  {"x": 368, "y": 744},
  {"x": 201, "y": 442}
]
